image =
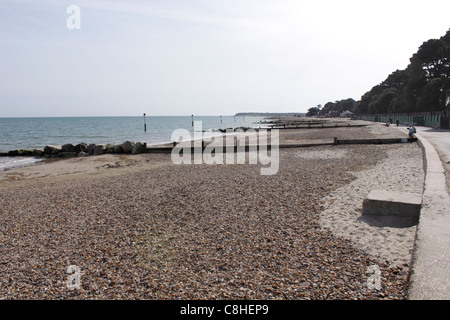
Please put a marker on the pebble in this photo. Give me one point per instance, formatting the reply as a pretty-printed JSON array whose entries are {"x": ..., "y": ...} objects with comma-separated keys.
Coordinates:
[{"x": 190, "y": 232}]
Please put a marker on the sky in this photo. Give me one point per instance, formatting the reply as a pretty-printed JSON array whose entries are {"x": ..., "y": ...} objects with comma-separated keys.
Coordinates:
[{"x": 183, "y": 57}]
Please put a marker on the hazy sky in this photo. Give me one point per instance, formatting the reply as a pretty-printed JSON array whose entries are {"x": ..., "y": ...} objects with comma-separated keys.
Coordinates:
[{"x": 202, "y": 57}]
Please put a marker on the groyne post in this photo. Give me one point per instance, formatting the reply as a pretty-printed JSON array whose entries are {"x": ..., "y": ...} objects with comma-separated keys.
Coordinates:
[{"x": 145, "y": 124}]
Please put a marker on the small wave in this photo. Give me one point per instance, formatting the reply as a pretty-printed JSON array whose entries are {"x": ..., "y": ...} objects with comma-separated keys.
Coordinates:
[{"x": 7, "y": 163}]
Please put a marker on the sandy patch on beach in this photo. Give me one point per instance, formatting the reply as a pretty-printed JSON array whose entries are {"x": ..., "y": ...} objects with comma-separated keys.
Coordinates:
[
  {"x": 401, "y": 171},
  {"x": 61, "y": 170}
]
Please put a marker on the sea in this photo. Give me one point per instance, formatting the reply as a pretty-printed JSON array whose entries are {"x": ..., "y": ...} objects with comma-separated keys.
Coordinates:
[{"x": 37, "y": 132}]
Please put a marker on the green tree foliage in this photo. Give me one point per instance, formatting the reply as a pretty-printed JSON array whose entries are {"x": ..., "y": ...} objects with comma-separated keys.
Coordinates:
[
  {"x": 338, "y": 106},
  {"x": 423, "y": 86},
  {"x": 312, "y": 111}
]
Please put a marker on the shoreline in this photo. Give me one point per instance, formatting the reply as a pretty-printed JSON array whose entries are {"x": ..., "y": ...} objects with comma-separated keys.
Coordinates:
[
  {"x": 157, "y": 134},
  {"x": 141, "y": 227},
  {"x": 309, "y": 138},
  {"x": 40, "y": 154}
]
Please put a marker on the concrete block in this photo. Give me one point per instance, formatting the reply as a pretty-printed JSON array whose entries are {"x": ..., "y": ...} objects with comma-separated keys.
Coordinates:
[{"x": 389, "y": 203}]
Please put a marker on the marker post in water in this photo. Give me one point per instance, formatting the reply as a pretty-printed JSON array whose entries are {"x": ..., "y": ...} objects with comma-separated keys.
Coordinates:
[{"x": 145, "y": 124}]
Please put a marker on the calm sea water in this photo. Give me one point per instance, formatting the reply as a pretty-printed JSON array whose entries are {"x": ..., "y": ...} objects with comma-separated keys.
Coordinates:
[{"x": 22, "y": 133}]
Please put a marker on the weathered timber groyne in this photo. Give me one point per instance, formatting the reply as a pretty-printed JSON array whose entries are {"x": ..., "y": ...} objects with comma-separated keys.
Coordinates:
[{"x": 129, "y": 147}]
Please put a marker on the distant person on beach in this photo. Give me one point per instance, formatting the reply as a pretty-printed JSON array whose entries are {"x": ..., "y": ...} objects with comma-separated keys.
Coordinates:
[
  {"x": 411, "y": 131},
  {"x": 398, "y": 121}
]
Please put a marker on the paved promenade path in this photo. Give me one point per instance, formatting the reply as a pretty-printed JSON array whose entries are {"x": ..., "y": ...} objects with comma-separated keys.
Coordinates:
[
  {"x": 440, "y": 139},
  {"x": 430, "y": 276}
]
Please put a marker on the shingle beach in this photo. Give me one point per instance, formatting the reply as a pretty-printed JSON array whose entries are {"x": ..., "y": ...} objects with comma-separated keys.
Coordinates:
[{"x": 141, "y": 227}]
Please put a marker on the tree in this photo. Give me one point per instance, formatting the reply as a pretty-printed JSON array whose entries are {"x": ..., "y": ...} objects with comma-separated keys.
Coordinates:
[
  {"x": 312, "y": 112},
  {"x": 434, "y": 95},
  {"x": 338, "y": 106},
  {"x": 368, "y": 104},
  {"x": 423, "y": 86}
]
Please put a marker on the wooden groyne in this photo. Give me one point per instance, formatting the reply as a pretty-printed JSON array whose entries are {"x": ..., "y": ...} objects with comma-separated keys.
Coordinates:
[
  {"x": 281, "y": 126},
  {"x": 375, "y": 141},
  {"x": 248, "y": 148},
  {"x": 129, "y": 147},
  {"x": 319, "y": 126}
]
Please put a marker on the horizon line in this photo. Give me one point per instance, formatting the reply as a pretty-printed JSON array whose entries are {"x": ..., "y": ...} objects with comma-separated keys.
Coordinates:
[{"x": 147, "y": 115}]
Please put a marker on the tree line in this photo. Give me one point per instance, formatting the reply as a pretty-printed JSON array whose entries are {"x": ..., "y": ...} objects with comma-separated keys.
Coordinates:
[
  {"x": 423, "y": 86},
  {"x": 334, "y": 108}
]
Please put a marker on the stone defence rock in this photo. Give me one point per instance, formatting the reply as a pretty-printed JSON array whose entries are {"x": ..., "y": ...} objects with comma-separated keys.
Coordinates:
[
  {"x": 52, "y": 150},
  {"x": 66, "y": 154},
  {"x": 38, "y": 152},
  {"x": 109, "y": 148},
  {"x": 68, "y": 148},
  {"x": 128, "y": 146},
  {"x": 81, "y": 147},
  {"x": 82, "y": 154},
  {"x": 99, "y": 149},
  {"x": 118, "y": 148},
  {"x": 13, "y": 153},
  {"x": 138, "y": 148},
  {"x": 25, "y": 152},
  {"x": 90, "y": 149}
]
